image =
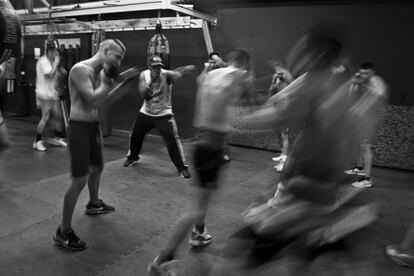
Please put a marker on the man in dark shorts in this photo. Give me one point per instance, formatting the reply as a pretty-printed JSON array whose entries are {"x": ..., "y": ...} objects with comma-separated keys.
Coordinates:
[
  {"x": 217, "y": 94},
  {"x": 90, "y": 83}
]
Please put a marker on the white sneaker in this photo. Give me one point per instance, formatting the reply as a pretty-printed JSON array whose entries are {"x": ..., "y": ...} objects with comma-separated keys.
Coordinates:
[
  {"x": 279, "y": 167},
  {"x": 57, "y": 142},
  {"x": 162, "y": 269},
  {"x": 198, "y": 239},
  {"x": 362, "y": 183},
  {"x": 355, "y": 171},
  {"x": 39, "y": 146},
  {"x": 280, "y": 158}
]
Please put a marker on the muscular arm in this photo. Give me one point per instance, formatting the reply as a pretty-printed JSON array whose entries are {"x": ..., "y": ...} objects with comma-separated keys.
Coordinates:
[
  {"x": 80, "y": 77},
  {"x": 291, "y": 104},
  {"x": 179, "y": 72},
  {"x": 144, "y": 88}
]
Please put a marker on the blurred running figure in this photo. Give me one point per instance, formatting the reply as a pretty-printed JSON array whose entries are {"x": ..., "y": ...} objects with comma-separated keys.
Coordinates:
[
  {"x": 214, "y": 62},
  {"x": 217, "y": 94},
  {"x": 303, "y": 207},
  {"x": 371, "y": 92},
  {"x": 4, "y": 134},
  {"x": 403, "y": 254}
]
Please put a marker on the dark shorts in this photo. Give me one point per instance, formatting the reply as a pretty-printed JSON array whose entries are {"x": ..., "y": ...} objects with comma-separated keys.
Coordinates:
[
  {"x": 208, "y": 157},
  {"x": 85, "y": 147}
]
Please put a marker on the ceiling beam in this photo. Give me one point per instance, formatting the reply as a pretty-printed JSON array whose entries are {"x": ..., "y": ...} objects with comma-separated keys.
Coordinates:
[
  {"x": 105, "y": 7},
  {"x": 113, "y": 25}
]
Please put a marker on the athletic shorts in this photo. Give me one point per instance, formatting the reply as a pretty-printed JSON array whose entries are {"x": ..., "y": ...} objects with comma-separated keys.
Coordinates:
[
  {"x": 208, "y": 157},
  {"x": 85, "y": 147}
]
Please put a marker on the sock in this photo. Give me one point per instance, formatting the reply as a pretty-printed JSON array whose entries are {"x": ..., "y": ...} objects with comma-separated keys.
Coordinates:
[
  {"x": 360, "y": 168},
  {"x": 200, "y": 228},
  {"x": 38, "y": 137},
  {"x": 362, "y": 178}
]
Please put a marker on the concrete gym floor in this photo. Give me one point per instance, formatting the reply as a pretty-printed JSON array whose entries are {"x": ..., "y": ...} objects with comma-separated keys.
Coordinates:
[{"x": 149, "y": 198}]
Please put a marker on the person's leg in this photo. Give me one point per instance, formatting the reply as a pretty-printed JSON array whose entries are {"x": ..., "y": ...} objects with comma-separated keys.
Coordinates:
[
  {"x": 184, "y": 225},
  {"x": 96, "y": 206},
  {"x": 285, "y": 141},
  {"x": 403, "y": 254},
  {"x": 408, "y": 242},
  {"x": 57, "y": 120},
  {"x": 4, "y": 135},
  {"x": 142, "y": 125},
  {"x": 169, "y": 132},
  {"x": 368, "y": 157},
  {"x": 46, "y": 110},
  {"x": 79, "y": 148},
  {"x": 70, "y": 200}
]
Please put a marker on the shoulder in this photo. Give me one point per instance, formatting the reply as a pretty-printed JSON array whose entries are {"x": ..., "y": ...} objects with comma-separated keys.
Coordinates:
[
  {"x": 80, "y": 68},
  {"x": 43, "y": 61}
]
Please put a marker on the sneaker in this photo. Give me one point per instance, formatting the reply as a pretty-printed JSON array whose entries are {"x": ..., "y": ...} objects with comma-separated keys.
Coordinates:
[
  {"x": 102, "y": 208},
  {"x": 184, "y": 173},
  {"x": 161, "y": 268},
  {"x": 198, "y": 239},
  {"x": 69, "y": 240},
  {"x": 280, "y": 158},
  {"x": 355, "y": 171},
  {"x": 130, "y": 162},
  {"x": 226, "y": 158},
  {"x": 399, "y": 257},
  {"x": 362, "y": 183},
  {"x": 60, "y": 142},
  {"x": 39, "y": 145},
  {"x": 279, "y": 167}
]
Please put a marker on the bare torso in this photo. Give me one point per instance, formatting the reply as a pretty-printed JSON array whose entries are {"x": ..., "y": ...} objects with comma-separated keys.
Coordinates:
[
  {"x": 217, "y": 94},
  {"x": 81, "y": 110}
]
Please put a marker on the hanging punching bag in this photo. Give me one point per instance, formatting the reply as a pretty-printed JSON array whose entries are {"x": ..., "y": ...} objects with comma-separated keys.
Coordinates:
[
  {"x": 97, "y": 37},
  {"x": 159, "y": 46},
  {"x": 10, "y": 31}
]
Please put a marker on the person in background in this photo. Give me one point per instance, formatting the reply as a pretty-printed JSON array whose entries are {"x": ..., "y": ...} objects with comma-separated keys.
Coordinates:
[
  {"x": 47, "y": 98},
  {"x": 371, "y": 90},
  {"x": 281, "y": 78},
  {"x": 155, "y": 87}
]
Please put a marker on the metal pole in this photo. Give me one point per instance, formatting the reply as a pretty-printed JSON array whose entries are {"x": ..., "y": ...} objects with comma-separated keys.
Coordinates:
[{"x": 207, "y": 37}]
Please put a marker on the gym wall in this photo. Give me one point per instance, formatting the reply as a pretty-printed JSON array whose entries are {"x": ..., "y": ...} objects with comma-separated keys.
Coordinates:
[{"x": 378, "y": 33}]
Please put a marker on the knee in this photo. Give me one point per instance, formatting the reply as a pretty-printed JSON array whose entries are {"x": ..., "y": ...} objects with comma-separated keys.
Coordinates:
[
  {"x": 96, "y": 170},
  {"x": 78, "y": 183}
]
